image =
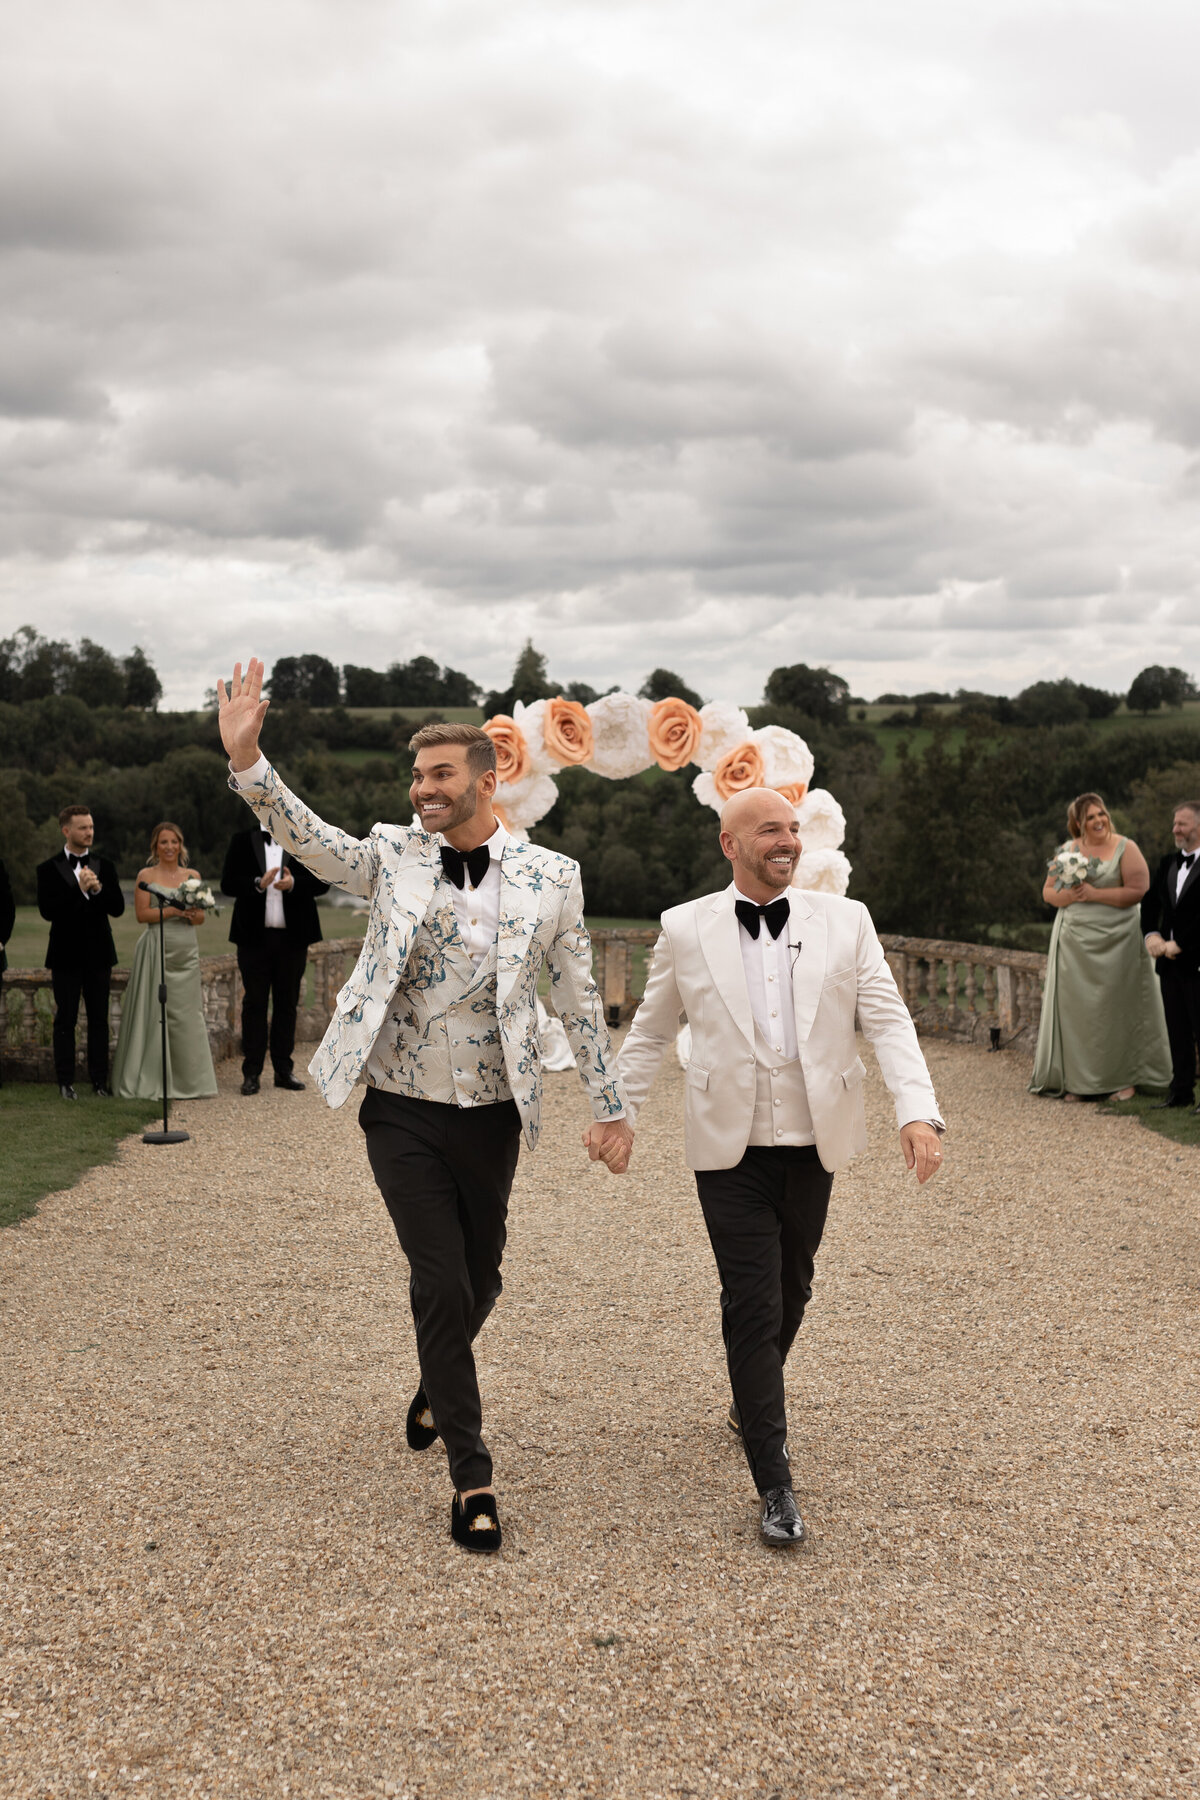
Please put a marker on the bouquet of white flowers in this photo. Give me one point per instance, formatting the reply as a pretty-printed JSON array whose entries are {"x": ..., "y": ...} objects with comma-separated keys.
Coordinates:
[
  {"x": 1069, "y": 867},
  {"x": 191, "y": 895}
]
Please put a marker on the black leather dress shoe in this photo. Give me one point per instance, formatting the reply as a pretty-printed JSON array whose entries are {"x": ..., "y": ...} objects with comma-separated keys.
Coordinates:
[
  {"x": 250, "y": 1084},
  {"x": 101, "y": 1092},
  {"x": 67, "y": 1091},
  {"x": 1173, "y": 1105},
  {"x": 289, "y": 1081},
  {"x": 781, "y": 1521},
  {"x": 475, "y": 1523},
  {"x": 733, "y": 1418},
  {"x": 419, "y": 1427}
]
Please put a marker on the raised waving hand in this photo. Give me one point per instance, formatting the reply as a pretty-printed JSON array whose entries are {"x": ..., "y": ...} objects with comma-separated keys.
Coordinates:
[{"x": 241, "y": 712}]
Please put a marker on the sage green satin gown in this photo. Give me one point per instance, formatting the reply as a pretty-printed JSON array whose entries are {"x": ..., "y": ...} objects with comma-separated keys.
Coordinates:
[
  {"x": 1102, "y": 1022},
  {"x": 137, "y": 1066}
]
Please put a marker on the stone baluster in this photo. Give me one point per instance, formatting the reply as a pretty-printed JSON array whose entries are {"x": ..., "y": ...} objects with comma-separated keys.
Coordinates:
[
  {"x": 951, "y": 985},
  {"x": 989, "y": 989}
]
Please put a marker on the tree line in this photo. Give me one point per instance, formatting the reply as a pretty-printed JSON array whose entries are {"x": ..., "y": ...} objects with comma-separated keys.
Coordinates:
[{"x": 947, "y": 839}]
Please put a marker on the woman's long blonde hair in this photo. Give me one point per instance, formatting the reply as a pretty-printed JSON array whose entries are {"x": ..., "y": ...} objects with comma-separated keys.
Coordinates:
[
  {"x": 1077, "y": 812},
  {"x": 168, "y": 825}
]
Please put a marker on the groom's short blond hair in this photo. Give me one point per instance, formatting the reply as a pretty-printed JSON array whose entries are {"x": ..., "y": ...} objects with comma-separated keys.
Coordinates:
[{"x": 481, "y": 752}]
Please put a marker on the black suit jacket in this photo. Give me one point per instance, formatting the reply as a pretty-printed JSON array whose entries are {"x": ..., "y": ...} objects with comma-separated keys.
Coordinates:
[
  {"x": 8, "y": 915},
  {"x": 80, "y": 934},
  {"x": 1179, "y": 919},
  {"x": 245, "y": 861}
]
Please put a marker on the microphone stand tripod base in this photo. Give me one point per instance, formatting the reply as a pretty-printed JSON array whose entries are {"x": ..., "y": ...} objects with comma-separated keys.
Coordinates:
[{"x": 166, "y": 1137}]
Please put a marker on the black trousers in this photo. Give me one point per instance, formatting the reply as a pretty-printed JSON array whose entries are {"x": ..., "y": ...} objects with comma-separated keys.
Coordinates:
[
  {"x": 1181, "y": 1004},
  {"x": 273, "y": 972},
  {"x": 92, "y": 986},
  {"x": 445, "y": 1173},
  {"x": 765, "y": 1219}
]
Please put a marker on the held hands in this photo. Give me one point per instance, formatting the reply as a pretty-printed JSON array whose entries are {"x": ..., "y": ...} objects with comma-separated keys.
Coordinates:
[
  {"x": 922, "y": 1150},
  {"x": 240, "y": 714},
  {"x": 89, "y": 881},
  {"x": 609, "y": 1142}
]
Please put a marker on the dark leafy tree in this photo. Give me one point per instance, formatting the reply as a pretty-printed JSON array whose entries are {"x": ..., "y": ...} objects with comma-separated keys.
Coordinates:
[
  {"x": 818, "y": 693},
  {"x": 365, "y": 687},
  {"x": 1099, "y": 703},
  {"x": 664, "y": 684},
  {"x": 143, "y": 689},
  {"x": 97, "y": 678},
  {"x": 1156, "y": 687},
  {"x": 312, "y": 680},
  {"x": 1051, "y": 703}
]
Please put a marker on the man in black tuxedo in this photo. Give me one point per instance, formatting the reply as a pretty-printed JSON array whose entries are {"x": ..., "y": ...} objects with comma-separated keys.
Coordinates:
[
  {"x": 79, "y": 893},
  {"x": 274, "y": 922},
  {"x": 1171, "y": 923},
  {"x": 8, "y": 918}
]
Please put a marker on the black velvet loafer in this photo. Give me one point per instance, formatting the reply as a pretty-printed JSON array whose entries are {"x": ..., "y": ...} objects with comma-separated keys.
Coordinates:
[
  {"x": 781, "y": 1521},
  {"x": 475, "y": 1523},
  {"x": 419, "y": 1427}
]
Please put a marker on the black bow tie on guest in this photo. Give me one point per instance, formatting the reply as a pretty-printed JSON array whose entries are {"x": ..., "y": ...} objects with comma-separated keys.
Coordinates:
[
  {"x": 1188, "y": 856},
  {"x": 475, "y": 862},
  {"x": 268, "y": 837},
  {"x": 775, "y": 913},
  {"x": 76, "y": 862}
]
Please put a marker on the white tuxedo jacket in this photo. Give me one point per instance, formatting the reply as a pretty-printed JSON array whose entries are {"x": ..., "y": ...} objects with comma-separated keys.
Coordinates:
[
  {"x": 839, "y": 972},
  {"x": 397, "y": 868}
]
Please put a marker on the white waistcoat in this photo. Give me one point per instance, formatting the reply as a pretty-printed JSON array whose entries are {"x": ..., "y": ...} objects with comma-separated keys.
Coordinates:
[
  {"x": 781, "y": 1109},
  {"x": 440, "y": 1039}
]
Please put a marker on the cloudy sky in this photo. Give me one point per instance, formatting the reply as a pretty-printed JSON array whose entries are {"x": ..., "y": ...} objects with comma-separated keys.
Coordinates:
[{"x": 665, "y": 333}]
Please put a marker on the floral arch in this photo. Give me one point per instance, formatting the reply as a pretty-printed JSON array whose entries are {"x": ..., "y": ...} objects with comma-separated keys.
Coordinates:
[{"x": 621, "y": 735}]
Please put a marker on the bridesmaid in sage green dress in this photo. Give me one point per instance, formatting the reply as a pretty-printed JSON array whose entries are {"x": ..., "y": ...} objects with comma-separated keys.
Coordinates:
[
  {"x": 137, "y": 1066},
  {"x": 1103, "y": 1029}
]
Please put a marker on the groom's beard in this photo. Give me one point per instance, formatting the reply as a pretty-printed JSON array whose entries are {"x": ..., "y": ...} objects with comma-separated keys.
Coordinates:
[{"x": 453, "y": 813}]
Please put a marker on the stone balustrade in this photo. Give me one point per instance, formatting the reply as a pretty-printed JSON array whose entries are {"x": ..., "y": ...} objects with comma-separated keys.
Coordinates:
[
  {"x": 27, "y": 1009},
  {"x": 974, "y": 992}
]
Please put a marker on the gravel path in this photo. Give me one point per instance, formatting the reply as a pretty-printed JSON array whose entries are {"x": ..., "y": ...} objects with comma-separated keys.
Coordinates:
[{"x": 226, "y": 1574}]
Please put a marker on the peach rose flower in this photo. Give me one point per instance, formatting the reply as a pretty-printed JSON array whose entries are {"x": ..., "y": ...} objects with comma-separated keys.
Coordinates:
[
  {"x": 739, "y": 768},
  {"x": 513, "y": 761},
  {"x": 675, "y": 729},
  {"x": 795, "y": 792},
  {"x": 568, "y": 731}
]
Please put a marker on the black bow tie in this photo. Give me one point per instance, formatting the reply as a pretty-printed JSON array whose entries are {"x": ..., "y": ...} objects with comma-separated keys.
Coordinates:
[
  {"x": 76, "y": 862},
  {"x": 775, "y": 913},
  {"x": 268, "y": 837},
  {"x": 1188, "y": 857},
  {"x": 474, "y": 862}
]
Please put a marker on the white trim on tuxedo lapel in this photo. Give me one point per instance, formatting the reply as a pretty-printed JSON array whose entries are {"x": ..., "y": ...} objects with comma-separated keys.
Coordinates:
[
  {"x": 810, "y": 929},
  {"x": 717, "y": 929}
]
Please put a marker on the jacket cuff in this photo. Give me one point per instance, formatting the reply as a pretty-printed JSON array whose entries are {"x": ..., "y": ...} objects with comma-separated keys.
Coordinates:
[{"x": 254, "y": 776}]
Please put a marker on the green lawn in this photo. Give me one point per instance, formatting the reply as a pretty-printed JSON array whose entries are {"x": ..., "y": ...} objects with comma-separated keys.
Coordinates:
[
  {"x": 47, "y": 1143},
  {"x": 1179, "y": 1123}
]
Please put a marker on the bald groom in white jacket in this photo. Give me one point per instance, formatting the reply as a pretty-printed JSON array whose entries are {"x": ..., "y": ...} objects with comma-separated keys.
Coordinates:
[{"x": 771, "y": 980}]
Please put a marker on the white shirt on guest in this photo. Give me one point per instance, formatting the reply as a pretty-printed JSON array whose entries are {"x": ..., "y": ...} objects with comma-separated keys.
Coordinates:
[
  {"x": 275, "y": 919},
  {"x": 768, "y": 965},
  {"x": 1181, "y": 875}
]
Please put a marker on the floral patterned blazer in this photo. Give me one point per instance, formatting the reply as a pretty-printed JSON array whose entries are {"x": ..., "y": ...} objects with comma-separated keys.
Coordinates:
[{"x": 397, "y": 868}]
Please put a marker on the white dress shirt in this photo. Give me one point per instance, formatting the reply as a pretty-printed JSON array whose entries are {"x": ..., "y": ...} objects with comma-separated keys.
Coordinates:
[
  {"x": 768, "y": 965},
  {"x": 1181, "y": 875},
  {"x": 275, "y": 920},
  {"x": 478, "y": 909}
]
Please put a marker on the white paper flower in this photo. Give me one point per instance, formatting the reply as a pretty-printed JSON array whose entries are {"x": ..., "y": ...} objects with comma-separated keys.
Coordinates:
[
  {"x": 787, "y": 759},
  {"x": 523, "y": 803},
  {"x": 705, "y": 790},
  {"x": 620, "y": 728},
  {"x": 532, "y": 722},
  {"x": 822, "y": 872},
  {"x": 725, "y": 727},
  {"x": 822, "y": 821}
]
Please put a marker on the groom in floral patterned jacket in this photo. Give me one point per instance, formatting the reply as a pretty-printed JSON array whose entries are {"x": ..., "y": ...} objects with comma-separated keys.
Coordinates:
[{"x": 440, "y": 1019}]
